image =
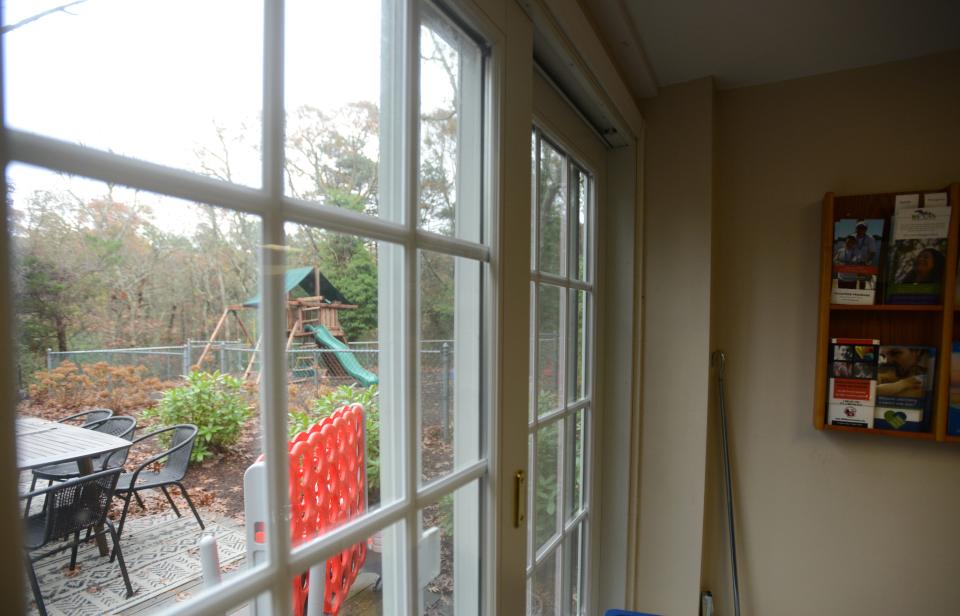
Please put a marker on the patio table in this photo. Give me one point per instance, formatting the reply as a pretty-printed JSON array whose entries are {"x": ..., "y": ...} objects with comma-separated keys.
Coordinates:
[{"x": 41, "y": 442}]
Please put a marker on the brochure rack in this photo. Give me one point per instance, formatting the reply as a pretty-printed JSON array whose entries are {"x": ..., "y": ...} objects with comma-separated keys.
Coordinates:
[{"x": 928, "y": 325}]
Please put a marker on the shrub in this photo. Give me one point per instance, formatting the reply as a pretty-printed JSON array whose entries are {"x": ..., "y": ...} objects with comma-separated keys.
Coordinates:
[
  {"x": 213, "y": 402},
  {"x": 327, "y": 403},
  {"x": 119, "y": 388}
]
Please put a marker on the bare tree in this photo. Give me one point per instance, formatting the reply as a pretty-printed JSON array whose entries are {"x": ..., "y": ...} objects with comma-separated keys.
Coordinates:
[{"x": 57, "y": 9}]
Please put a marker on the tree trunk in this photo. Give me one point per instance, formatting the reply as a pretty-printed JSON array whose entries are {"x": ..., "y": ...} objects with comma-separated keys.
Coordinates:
[{"x": 61, "y": 334}]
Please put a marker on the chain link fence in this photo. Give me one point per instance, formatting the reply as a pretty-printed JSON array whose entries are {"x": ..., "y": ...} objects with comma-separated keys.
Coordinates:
[{"x": 305, "y": 365}]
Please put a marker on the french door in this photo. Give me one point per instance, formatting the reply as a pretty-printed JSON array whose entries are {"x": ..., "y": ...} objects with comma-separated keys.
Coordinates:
[
  {"x": 354, "y": 136},
  {"x": 567, "y": 185}
]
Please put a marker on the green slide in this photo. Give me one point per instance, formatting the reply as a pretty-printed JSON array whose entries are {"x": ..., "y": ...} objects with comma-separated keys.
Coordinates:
[{"x": 325, "y": 339}]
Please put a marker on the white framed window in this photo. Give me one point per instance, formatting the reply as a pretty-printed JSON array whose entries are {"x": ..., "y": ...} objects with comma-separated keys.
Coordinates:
[
  {"x": 561, "y": 380},
  {"x": 423, "y": 212}
]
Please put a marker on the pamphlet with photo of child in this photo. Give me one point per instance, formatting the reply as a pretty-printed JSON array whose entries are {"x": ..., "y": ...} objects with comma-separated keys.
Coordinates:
[
  {"x": 905, "y": 379},
  {"x": 918, "y": 253},
  {"x": 856, "y": 260}
]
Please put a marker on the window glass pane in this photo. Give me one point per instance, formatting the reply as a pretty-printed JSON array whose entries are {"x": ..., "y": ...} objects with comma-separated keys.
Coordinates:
[
  {"x": 542, "y": 588},
  {"x": 551, "y": 314},
  {"x": 449, "y": 363},
  {"x": 534, "y": 203},
  {"x": 450, "y": 129},
  {"x": 532, "y": 393},
  {"x": 338, "y": 353},
  {"x": 123, "y": 312},
  {"x": 552, "y": 210},
  {"x": 547, "y": 488},
  {"x": 159, "y": 81},
  {"x": 576, "y": 437},
  {"x": 333, "y": 108},
  {"x": 580, "y": 350},
  {"x": 362, "y": 580},
  {"x": 574, "y": 547},
  {"x": 581, "y": 224},
  {"x": 450, "y": 553}
]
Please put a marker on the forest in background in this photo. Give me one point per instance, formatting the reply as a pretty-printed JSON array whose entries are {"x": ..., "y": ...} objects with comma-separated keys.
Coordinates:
[{"x": 103, "y": 273}]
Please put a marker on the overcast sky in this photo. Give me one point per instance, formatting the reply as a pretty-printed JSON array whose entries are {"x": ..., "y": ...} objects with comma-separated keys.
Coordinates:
[{"x": 151, "y": 78}]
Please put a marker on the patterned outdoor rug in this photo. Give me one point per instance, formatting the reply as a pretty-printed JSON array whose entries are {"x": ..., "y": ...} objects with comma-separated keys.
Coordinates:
[{"x": 161, "y": 555}]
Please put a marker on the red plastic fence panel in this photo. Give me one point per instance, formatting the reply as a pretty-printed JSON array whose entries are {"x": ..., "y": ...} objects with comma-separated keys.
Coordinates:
[{"x": 328, "y": 486}]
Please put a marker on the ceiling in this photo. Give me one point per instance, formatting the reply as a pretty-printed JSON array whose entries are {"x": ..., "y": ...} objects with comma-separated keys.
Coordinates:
[{"x": 748, "y": 42}]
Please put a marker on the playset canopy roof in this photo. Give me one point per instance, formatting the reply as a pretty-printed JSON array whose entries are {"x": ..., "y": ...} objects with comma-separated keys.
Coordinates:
[{"x": 303, "y": 280}]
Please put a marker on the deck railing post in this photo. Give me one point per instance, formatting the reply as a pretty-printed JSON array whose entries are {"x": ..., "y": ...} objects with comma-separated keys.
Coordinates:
[{"x": 209, "y": 560}]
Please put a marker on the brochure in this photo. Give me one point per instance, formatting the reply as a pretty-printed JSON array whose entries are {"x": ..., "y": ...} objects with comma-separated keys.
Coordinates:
[
  {"x": 853, "y": 382},
  {"x": 856, "y": 260},
  {"x": 905, "y": 380},
  {"x": 917, "y": 256}
]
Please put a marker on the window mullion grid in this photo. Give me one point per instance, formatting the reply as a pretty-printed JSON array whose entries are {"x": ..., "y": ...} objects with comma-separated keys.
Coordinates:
[
  {"x": 551, "y": 546},
  {"x": 410, "y": 166},
  {"x": 74, "y": 159},
  {"x": 460, "y": 477},
  {"x": 273, "y": 394},
  {"x": 564, "y": 411},
  {"x": 560, "y": 281}
]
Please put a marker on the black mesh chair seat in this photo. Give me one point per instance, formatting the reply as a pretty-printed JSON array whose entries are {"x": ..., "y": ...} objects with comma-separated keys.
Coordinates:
[
  {"x": 149, "y": 479},
  {"x": 70, "y": 508},
  {"x": 34, "y": 528},
  {"x": 57, "y": 472},
  {"x": 175, "y": 459}
]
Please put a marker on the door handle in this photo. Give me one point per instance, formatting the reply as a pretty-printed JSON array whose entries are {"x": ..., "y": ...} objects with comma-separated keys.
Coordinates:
[{"x": 520, "y": 499}]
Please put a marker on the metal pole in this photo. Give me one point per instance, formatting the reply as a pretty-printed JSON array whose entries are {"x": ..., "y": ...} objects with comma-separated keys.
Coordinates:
[
  {"x": 223, "y": 359},
  {"x": 185, "y": 364},
  {"x": 719, "y": 360},
  {"x": 49, "y": 359},
  {"x": 445, "y": 356}
]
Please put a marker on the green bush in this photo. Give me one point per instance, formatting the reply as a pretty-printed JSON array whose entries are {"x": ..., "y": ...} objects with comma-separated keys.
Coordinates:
[
  {"x": 213, "y": 402},
  {"x": 326, "y": 404}
]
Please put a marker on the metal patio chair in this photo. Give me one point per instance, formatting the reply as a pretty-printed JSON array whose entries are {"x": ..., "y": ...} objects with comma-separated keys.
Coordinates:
[
  {"x": 176, "y": 459},
  {"x": 88, "y": 418},
  {"x": 123, "y": 427},
  {"x": 68, "y": 508}
]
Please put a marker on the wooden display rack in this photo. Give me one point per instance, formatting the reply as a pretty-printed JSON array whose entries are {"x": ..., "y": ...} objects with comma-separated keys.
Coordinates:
[{"x": 928, "y": 325}]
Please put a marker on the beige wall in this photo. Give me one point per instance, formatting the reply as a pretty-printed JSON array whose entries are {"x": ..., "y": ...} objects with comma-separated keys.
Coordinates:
[
  {"x": 828, "y": 523},
  {"x": 678, "y": 195}
]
